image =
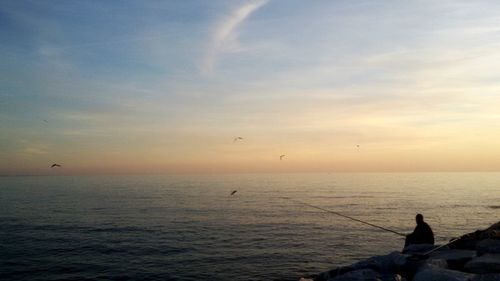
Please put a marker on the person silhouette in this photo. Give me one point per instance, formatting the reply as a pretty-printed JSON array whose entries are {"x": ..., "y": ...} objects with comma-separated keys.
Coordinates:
[{"x": 422, "y": 234}]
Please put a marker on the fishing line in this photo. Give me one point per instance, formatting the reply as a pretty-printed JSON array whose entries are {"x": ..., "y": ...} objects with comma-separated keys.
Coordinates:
[
  {"x": 425, "y": 254},
  {"x": 344, "y": 216}
]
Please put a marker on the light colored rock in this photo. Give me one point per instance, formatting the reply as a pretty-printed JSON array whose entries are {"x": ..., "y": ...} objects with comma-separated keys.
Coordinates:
[
  {"x": 437, "y": 263},
  {"x": 358, "y": 275},
  {"x": 488, "y": 263},
  {"x": 430, "y": 273},
  {"x": 491, "y": 246}
]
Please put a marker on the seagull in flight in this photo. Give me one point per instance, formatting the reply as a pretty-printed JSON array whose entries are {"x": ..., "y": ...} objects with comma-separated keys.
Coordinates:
[
  {"x": 237, "y": 139},
  {"x": 281, "y": 156},
  {"x": 45, "y": 120},
  {"x": 234, "y": 191},
  {"x": 55, "y": 165}
]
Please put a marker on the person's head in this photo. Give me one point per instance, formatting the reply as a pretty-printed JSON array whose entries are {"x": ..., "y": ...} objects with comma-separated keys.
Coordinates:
[{"x": 419, "y": 218}]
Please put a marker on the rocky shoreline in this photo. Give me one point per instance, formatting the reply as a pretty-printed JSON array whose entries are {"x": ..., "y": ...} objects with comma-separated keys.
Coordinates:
[{"x": 473, "y": 257}]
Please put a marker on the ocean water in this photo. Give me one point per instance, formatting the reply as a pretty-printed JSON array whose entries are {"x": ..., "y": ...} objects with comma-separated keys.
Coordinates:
[{"x": 190, "y": 228}]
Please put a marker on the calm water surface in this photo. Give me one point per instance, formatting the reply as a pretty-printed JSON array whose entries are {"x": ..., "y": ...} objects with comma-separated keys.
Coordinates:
[{"x": 189, "y": 228}]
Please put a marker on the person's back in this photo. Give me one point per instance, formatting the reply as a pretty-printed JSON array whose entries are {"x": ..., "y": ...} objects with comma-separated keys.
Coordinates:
[{"x": 422, "y": 234}]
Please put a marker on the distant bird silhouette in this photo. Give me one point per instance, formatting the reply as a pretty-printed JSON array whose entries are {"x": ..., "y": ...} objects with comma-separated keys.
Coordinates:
[
  {"x": 237, "y": 139},
  {"x": 357, "y": 145},
  {"x": 44, "y": 120},
  {"x": 55, "y": 165},
  {"x": 281, "y": 156},
  {"x": 234, "y": 191}
]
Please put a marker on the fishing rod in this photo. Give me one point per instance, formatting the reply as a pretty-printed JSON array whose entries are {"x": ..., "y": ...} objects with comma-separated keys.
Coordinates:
[
  {"x": 339, "y": 214},
  {"x": 418, "y": 256},
  {"x": 442, "y": 246},
  {"x": 425, "y": 255}
]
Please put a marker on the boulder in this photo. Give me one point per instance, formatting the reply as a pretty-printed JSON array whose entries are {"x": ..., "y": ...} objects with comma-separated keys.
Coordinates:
[
  {"x": 438, "y": 263},
  {"x": 327, "y": 275},
  {"x": 469, "y": 241},
  {"x": 391, "y": 277},
  {"x": 387, "y": 264},
  {"x": 390, "y": 263},
  {"x": 358, "y": 275},
  {"x": 486, "y": 277},
  {"x": 418, "y": 248},
  {"x": 430, "y": 273},
  {"x": 473, "y": 257},
  {"x": 488, "y": 263},
  {"x": 491, "y": 246},
  {"x": 454, "y": 258}
]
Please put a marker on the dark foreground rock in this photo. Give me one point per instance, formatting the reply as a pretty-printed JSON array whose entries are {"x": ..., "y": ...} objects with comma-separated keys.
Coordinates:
[{"x": 473, "y": 257}]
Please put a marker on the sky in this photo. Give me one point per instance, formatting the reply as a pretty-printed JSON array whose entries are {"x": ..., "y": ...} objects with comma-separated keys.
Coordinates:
[{"x": 138, "y": 87}]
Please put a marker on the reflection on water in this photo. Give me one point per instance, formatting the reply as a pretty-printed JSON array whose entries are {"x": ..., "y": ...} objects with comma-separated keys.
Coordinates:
[{"x": 190, "y": 228}]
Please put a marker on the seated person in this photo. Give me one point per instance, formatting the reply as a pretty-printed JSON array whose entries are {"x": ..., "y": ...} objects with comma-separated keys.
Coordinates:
[{"x": 422, "y": 234}]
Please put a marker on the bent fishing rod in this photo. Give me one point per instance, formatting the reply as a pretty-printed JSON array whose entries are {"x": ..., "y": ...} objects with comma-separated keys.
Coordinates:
[{"x": 344, "y": 216}]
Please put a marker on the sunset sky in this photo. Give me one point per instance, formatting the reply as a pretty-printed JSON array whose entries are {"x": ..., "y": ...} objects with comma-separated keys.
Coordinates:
[{"x": 165, "y": 86}]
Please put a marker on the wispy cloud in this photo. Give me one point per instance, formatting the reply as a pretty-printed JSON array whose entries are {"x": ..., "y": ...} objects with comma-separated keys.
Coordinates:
[{"x": 224, "y": 35}]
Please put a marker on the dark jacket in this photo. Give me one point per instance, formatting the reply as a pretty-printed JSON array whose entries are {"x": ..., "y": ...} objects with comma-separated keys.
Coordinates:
[{"x": 421, "y": 235}]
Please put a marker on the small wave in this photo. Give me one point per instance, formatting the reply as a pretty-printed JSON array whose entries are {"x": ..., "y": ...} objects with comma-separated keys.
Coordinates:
[
  {"x": 342, "y": 197},
  {"x": 461, "y": 206},
  {"x": 76, "y": 228},
  {"x": 494, "y": 206},
  {"x": 386, "y": 208},
  {"x": 120, "y": 229}
]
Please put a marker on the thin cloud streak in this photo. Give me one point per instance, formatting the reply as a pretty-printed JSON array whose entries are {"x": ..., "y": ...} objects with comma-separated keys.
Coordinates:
[{"x": 224, "y": 33}]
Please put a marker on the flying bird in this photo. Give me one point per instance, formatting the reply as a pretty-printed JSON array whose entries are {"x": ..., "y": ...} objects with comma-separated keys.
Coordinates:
[
  {"x": 237, "y": 139},
  {"x": 234, "y": 191},
  {"x": 281, "y": 156},
  {"x": 44, "y": 120},
  {"x": 55, "y": 165}
]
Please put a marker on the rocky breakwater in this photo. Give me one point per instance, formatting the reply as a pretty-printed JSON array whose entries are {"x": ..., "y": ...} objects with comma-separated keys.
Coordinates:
[{"x": 473, "y": 257}]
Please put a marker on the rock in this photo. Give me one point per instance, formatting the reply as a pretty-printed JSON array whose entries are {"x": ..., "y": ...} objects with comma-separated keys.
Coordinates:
[
  {"x": 389, "y": 264},
  {"x": 430, "y": 273},
  {"x": 412, "y": 265},
  {"x": 454, "y": 258},
  {"x": 488, "y": 263},
  {"x": 486, "y": 277},
  {"x": 418, "y": 248},
  {"x": 469, "y": 241},
  {"x": 453, "y": 254},
  {"x": 438, "y": 263},
  {"x": 358, "y": 275},
  {"x": 327, "y": 275},
  {"x": 384, "y": 264},
  {"x": 491, "y": 246},
  {"x": 391, "y": 277},
  {"x": 473, "y": 257}
]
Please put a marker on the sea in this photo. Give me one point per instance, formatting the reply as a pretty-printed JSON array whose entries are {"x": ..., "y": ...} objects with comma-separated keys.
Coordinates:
[{"x": 189, "y": 227}]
